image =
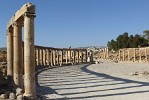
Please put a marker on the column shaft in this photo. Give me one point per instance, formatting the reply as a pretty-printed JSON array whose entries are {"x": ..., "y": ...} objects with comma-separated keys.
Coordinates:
[
  {"x": 29, "y": 57},
  {"x": 17, "y": 51},
  {"x": 10, "y": 53}
]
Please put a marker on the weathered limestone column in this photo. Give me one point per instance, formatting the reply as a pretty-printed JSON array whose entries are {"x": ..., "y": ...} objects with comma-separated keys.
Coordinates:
[
  {"x": 74, "y": 56},
  {"x": 120, "y": 55},
  {"x": 51, "y": 56},
  {"x": 140, "y": 55},
  {"x": 41, "y": 57},
  {"x": 57, "y": 57},
  {"x": 82, "y": 56},
  {"x": 44, "y": 57},
  {"x": 69, "y": 56},
  {"x": 61, "y": 57},
  {"x": 17, "y": 51},
  {"x": 78, "y": 56},
  {"x": 66, "y": 56},
  {"x": 48, "y": 57},
  {"x": 29, "y": 57},
  {"x": 10, "y": 52},
  {"x": 107, "y": 55},
  {"x": 128, "y": 55},
  {"x": 86, "y": 55},
  {"x": 134, "y": 51},
  {"x": 54, "y": 57},
  {"x": 123, "y": 54}
]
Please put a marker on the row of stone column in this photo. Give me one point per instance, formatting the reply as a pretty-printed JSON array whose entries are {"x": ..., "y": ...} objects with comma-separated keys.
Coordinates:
[
  {"x": 104, "y": 53},
  {"x": 16, "y": 62},
  {"x": 134, "y": 54},
  {"x": 56, "y": 57}
]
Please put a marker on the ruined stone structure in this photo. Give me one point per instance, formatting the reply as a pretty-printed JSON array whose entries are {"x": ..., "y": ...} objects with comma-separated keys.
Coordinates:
[
  {"x": 128, "y": 54},
  {"x": 24, "y": 56}
]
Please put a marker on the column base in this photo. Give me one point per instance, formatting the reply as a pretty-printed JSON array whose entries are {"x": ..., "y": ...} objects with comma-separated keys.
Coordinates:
[{"x": 29, "y": 96}]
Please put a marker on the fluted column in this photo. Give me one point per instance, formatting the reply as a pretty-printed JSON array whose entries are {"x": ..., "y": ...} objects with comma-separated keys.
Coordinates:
[
  {"x": 38, "y": 56},
  {"x": 17, "y": 51},
  {"x": 82, "y": 57},
  {"x": 29, "y": 57},
  {"x": 145, "y": 54},
  {"x": 123, "y": 54},
  {"x": 10, "y": 52},
  {"x": 57, "y": 53}
]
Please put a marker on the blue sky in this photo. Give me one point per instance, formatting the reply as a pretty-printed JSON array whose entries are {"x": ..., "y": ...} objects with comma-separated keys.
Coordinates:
[{"x": 76, "y": 23}]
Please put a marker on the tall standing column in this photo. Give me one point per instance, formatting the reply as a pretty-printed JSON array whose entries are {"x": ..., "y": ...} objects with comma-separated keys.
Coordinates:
[
  {"x": 82, "y": 57},
  {"x": 17, "y": 51},
  {"x": 57, "y": 57},
  {"x": 10, "y": 52},
  {"x": 29, "y": 57}
]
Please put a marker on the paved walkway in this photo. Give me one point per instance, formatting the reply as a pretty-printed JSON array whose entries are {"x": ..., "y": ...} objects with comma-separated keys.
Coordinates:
[{"x": 77, "y": 82}]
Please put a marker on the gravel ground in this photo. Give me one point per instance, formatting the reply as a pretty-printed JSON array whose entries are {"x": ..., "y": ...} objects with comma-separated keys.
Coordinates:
[{"x": 104, "y": 81}]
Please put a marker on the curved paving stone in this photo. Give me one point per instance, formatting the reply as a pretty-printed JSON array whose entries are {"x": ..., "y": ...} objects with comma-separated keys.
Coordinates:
[{"x": 77, "y": 82}]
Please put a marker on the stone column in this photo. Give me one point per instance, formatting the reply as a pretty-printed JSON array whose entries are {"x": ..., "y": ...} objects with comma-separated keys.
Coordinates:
[
  {"x": 44, "y": 57},
  {"x": 57, "y": 57},
  {"x": 81, "y": 56},
  {"x": 86, "y": 55},
  {"x": 48, "y": 57},
  {"x": 17, "y": 51},
  {"x": 120, "y": 55},
  {"x": 140, "y": 55},
  {"x": 51, "y": 57},
  {"x": 29, "y": 57},
  {"x": 61, "y": 57},
  {"x": 69, "y": 56},
  {"x": 66, "y": 56},
  {"x": 128, "y": 55},
  {"x": 54, "y": 57},
  {"x": 107, "y": 53},
  {"x": 123, "y": 54},
  {"x": 38, "y": 56},
  {"x": 10, "y": 53},
  {"x": 134, "y": 50},
  {"x": 41, "y": 57},
  {"x": 78, "y": 56},
  {"x": 74, "y": 56}
]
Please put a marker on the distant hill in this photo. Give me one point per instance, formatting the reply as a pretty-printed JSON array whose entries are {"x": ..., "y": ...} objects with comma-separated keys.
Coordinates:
[{"x": 3, "y": 49}]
